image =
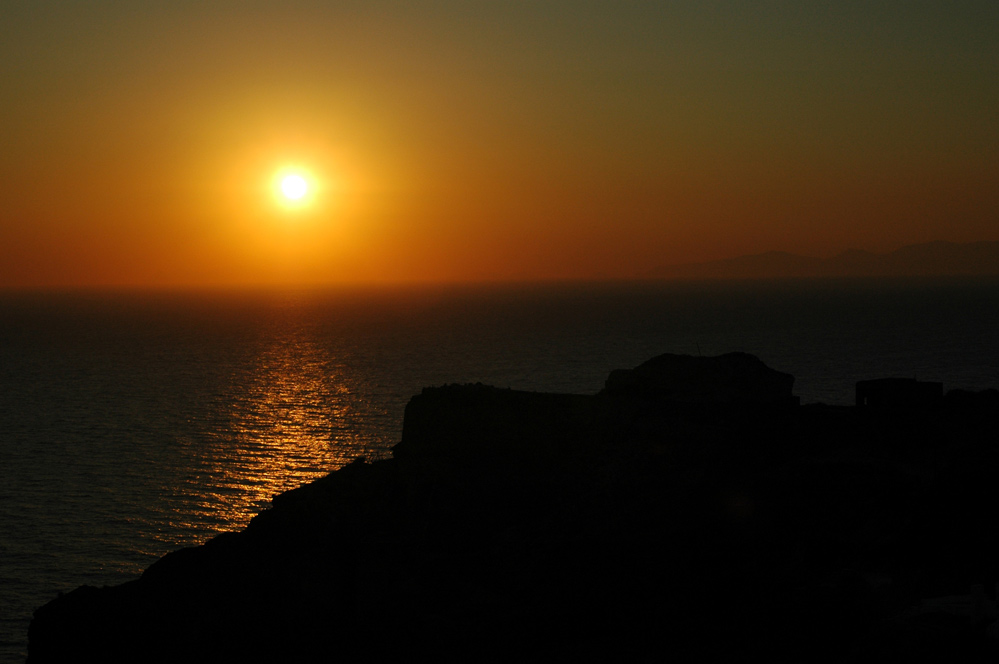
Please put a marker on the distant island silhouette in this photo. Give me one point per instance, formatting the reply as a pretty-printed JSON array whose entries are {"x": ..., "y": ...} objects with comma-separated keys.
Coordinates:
[
  {"x": 692, "y": 510},
  {"x": 917, "y": 260}
]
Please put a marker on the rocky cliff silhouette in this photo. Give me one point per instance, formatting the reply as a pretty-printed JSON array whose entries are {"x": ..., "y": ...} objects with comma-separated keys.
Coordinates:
[{"x": 691, "y": 510}]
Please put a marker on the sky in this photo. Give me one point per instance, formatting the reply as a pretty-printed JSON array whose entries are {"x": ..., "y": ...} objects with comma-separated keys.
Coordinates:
[{"x": 465, "y": 140}]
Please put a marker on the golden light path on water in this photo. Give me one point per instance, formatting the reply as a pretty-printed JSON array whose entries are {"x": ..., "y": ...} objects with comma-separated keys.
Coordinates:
[
  {"x": 282, "y": 430},
  {"x": 287, "y": 425}
]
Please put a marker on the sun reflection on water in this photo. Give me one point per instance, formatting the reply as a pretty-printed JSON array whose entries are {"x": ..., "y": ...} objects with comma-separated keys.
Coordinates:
[{"x": 286, "y": 426}]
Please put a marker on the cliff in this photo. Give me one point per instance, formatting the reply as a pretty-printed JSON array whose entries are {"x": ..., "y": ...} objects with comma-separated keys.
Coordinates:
[{"x": 632, "y": 524}]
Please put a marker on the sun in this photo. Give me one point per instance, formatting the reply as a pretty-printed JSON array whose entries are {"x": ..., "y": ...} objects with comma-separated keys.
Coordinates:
[{"x": 294, "y": 187}]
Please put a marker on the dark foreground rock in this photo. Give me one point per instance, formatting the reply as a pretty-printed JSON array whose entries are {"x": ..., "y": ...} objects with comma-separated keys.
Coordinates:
[{"x": 632, "y": 525}]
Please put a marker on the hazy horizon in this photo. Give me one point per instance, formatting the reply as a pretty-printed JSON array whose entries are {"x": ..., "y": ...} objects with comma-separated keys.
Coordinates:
[{"x": 959, "y": 260}]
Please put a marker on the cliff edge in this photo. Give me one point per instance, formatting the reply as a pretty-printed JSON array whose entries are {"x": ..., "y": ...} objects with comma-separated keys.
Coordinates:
[{"x": 647, "y": 522}]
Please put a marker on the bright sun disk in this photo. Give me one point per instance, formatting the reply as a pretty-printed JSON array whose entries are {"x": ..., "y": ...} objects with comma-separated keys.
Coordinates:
[{"x": 294, "y": 187}]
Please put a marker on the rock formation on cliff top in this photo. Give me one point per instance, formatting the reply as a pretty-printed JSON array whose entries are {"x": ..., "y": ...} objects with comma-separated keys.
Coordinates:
[{"x": 729, "y": 378}]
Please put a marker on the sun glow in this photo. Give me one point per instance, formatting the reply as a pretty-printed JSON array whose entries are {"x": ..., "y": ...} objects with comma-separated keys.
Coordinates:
[{"x": 294, "y": 187}]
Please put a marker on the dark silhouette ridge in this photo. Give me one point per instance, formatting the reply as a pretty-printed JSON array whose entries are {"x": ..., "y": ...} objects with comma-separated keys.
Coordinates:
[
  {"x": 669, "y": 517},
  {"x": 894, "y": 392},
  {"x": 730, "y": 378},
  {"x": 918, "y": 260}
]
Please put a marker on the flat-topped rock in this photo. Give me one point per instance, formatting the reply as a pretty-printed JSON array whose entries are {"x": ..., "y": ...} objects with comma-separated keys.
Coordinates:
[{"x": 729, "y": 378}]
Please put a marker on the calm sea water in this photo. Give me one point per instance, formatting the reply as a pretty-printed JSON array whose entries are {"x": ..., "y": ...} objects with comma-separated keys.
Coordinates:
[{"x": 132, "y": 424}]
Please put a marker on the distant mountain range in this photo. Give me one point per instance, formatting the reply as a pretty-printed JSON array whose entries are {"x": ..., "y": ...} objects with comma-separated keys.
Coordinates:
[{"x": 929, "y": 259}]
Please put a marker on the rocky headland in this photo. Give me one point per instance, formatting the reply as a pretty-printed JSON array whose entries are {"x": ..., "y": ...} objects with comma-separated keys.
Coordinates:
[{"x": 691, "y": 510}]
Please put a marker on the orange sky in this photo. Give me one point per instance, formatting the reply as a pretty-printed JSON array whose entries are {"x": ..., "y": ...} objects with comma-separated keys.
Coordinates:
[{"x": 484, "y": 140}]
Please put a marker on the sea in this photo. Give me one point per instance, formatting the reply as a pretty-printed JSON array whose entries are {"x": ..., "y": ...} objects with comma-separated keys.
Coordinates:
[{"x": 135, "y": 423}]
